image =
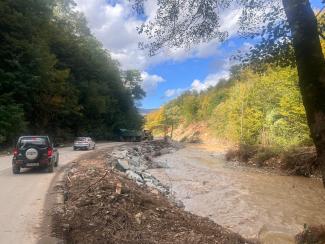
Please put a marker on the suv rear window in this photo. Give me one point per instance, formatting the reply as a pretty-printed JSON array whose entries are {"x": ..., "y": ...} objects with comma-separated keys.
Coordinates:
[
  {"x": 33, "y": 140},
  {"x": 81, "y": 139}
]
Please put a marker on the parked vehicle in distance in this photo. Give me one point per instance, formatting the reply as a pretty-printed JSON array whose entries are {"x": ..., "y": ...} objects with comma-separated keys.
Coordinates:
[
  {"x": 147, "y": 135},
  {"x": 85, "y": 143},
  {"x": 134, "y": 135},
  {"x": 34, "y": 151},
  {"x": 129, "y": 135}
]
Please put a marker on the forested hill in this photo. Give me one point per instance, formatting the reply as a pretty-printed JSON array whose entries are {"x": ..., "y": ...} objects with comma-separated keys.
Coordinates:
[
  {"x": 251, "y": 108},
  {"x": 260, "y": 104},
  {"x": 56, "y": 78}
]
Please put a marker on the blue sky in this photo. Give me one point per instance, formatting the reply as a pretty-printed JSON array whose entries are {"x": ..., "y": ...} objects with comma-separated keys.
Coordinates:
[
  {"x": 180, "y": 75},
  {"x": 172, "y": 71}
]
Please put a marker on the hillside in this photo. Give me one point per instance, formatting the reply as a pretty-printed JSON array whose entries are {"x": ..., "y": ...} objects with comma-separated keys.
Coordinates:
[
  {"x": 56, "y": 77},
  {"x": 145, "y": 111},
  {"x": 258, "y": 119},
  {"x": 249, "y": 108}
]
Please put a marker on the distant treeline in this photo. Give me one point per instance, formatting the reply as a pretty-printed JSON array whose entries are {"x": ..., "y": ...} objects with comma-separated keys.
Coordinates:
[{"x": 56, "y": 78}]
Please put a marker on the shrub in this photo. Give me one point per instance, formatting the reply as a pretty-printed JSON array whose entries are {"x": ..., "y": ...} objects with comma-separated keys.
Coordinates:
[
  {"x": 299, "y": 161},
  {"x": 263, "y": 154},
  {"x": 243, "y": 153},
  {"x": 312, "y": 234}
]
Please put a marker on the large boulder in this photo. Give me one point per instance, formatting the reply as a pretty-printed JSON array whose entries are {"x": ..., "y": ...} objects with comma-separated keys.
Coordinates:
[
  {"x": 122, "y": 165},
  {"x": 134, "y": 176}
]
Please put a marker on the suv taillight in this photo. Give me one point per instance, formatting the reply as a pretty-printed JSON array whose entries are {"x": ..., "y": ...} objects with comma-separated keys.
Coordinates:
[
  {"x": 15, "y": 152},
  {"x": 49, "y": 152}
]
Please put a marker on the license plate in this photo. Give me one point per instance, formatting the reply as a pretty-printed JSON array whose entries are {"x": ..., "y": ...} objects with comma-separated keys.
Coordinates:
[{"x": 32, "y": 164}]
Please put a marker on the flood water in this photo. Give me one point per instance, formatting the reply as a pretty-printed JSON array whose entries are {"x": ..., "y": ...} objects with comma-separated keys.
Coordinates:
[{"x": 255, "y": 204}]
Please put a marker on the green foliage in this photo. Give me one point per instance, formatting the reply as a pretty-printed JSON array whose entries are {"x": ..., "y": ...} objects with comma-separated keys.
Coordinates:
[
  {"x": 57, "y": 76},
  {"x": 249, "y": 108},
  {"x": 11, "y": 118},
  {"x": 132, "y": 80},
  {"x": 266, "y": 109}
]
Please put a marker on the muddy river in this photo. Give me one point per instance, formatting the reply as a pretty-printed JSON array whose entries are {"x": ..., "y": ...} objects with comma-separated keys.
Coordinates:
[{"x": 255, "y": 204}]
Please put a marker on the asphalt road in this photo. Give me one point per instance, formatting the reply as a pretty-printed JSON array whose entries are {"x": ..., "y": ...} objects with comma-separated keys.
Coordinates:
[{"x": 22, "y": 197}]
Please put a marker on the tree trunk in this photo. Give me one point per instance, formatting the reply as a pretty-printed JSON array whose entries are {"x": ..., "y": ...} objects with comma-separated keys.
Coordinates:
[
  {"x": 311, "y": 70},
  {"x": 171, "y": 132}
]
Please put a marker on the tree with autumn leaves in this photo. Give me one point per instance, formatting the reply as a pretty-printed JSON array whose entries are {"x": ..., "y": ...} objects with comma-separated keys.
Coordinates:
[{"x": 289, "y": 34}]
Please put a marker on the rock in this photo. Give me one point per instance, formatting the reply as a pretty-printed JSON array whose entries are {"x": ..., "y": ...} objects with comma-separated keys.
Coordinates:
[
  {"x": 120, "y": 154},
  {"x": 164, "y": 151},
  {"x": 136, "y": 149},
  {"x": 66, "y": 226},
  {"x": 147, "y": 176},
  {"x": 148, "y": 157},
  {"x": 156, "y": 154},
  {"x": 122, "y": 165},
  {"x": 134, "y": 176},
  {"x": 180, "y": 204},
  {"x": 150, "y": 184},
  {"x": 155, "y": 191},
  {"x": 118, "y": 189},
  {"x": 138, "y": 218},
  {"x": 135, "y": 161}
]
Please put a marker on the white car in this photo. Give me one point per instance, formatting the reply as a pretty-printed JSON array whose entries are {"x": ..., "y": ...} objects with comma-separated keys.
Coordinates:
[{"x": 85, "y": 143}]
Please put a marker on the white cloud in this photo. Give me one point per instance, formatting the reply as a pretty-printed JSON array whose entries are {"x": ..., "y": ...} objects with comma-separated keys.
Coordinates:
[
  {"x": 115, "y": 27},
  {"x": 209, "y": 81},
  {"x": 150, "y": 82},
  {"x": 197, "y": 85},
  {"x": 171, "y": 93}
]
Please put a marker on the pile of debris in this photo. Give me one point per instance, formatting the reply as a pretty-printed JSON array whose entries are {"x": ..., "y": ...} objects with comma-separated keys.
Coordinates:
[
  {"x": 103, "y": 206},
  {"x": 135, "y": 160}
]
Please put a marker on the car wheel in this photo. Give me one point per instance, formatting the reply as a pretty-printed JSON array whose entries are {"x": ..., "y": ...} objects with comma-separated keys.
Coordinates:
[
  {"x": 94, "y": 147},
  {"x": 74, "y": 149},
  {"x": 50, "y": 168},
  {"x": 15, "y": 169}
]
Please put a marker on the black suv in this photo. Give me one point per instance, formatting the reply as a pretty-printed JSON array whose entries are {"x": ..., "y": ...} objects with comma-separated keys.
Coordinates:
[{"x": 34, "y": 151}]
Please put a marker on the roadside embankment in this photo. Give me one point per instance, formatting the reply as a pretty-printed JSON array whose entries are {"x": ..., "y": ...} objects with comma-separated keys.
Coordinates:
[
  {"x": 110, "y": 198},
  {"x": 296, "y": 161}
]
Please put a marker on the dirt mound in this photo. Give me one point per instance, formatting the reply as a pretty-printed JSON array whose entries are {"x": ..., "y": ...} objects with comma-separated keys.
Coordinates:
[{"x": 102, "y": 206}]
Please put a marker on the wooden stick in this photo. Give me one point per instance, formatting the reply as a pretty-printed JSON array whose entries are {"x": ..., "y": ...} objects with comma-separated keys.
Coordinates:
[{"x": 90, "y": 186}]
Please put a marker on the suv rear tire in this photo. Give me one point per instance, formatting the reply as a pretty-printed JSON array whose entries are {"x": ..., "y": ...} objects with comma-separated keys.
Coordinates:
[{"x": 15, "y": 169}]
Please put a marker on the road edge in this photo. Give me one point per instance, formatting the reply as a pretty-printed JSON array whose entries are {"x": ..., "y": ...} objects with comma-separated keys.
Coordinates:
[{"x": 54, "y": 198}]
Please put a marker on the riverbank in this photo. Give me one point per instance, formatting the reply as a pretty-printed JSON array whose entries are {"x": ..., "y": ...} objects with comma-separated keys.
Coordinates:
[
  {"x": 103, "y": 205},
  {"x": 299, "y": 161}
]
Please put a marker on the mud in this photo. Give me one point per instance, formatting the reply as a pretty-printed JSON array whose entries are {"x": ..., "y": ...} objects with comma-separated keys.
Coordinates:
[{"x": 252, "y": 202}]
